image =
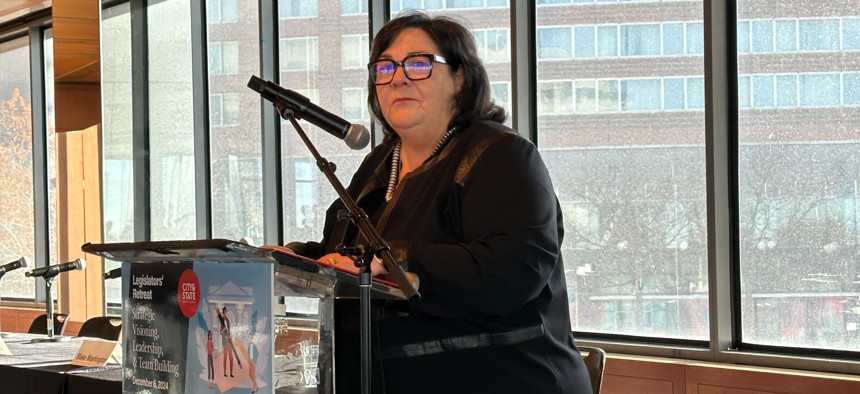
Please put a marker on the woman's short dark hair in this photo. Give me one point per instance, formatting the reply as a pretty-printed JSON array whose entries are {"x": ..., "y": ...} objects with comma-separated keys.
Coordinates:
[{"x": 457, "y": 46}]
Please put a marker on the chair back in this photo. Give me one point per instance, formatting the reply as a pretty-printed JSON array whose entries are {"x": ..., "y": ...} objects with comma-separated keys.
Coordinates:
[
  {"x": 40, "y": 324},
  {"x": 105, "y": 327},
  {"x": 594, "y": 361}
]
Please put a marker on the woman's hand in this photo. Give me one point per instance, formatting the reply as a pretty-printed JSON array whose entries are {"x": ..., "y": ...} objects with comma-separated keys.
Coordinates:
[{"x": 347, "y": 264}]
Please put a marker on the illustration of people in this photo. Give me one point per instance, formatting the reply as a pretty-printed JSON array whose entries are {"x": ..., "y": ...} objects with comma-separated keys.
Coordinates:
[
  {"x": 210, "y": 364},
  {"x": 227, "y": 346}
]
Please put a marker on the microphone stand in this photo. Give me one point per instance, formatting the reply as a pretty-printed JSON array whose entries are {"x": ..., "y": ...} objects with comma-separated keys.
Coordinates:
[
  {"x": 4, "y": 334},
  {"x": 49, "y": 311},
  {"x": 378, "y": 247}
]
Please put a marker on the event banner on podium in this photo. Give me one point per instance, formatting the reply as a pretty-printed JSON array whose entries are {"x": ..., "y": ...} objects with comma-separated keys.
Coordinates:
[{"x": 197, "y": 327}]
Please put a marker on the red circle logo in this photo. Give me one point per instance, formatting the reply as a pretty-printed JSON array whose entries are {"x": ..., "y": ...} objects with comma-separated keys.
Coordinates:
[{"x": 188, "y": 293}]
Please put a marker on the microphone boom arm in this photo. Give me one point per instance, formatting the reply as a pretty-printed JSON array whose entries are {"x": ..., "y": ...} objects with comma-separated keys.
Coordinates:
[{"x": 377, "y": 245}]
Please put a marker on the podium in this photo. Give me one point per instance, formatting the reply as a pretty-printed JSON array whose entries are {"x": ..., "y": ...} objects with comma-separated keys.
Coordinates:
[{"x": 196, "y": 312}]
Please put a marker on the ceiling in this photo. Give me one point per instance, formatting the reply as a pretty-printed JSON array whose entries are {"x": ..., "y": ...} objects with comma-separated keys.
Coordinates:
[{"x": 76, "y": 35}]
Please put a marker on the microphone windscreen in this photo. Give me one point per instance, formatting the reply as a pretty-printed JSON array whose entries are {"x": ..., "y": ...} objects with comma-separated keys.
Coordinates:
[
  {"x": 80, "y": 264},
  {"x": 25, "y": 262}
]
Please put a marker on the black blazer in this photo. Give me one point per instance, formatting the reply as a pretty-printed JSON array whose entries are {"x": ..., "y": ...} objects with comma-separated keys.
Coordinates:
[{"x": 480, "y": 225}]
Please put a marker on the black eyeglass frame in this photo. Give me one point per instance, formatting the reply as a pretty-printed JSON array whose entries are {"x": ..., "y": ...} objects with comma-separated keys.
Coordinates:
[{"x": 431, "y": 57}]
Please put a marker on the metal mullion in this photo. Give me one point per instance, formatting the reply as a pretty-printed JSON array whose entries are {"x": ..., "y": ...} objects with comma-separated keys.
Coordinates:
[
  {"x": 200, "y": 87},
  {"x": 378, "y": 14},
  {"x": 273, "y": 198},
  {"x": 41, "y": 212},
  {"x": 140, "y": 121},
  {"x": 524, "y": 69}
]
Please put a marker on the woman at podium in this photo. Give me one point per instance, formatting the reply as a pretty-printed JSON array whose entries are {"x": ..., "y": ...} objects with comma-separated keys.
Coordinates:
[{"x": 467, "y": 205}]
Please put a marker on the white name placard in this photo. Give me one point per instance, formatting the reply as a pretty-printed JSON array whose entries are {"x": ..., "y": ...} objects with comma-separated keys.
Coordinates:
[{"x": 4, "y": 350}]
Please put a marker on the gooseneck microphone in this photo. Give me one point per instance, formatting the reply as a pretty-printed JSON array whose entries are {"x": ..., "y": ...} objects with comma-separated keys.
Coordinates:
[
  {"x": 54, "y": 270},
  {"x": 113, "y": 274},
  {"x": 355, "y": 136},
  {"x": 20, "y": 263}
]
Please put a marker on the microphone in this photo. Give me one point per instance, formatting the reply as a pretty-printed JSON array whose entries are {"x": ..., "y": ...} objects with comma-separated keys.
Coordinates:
[
  {"x": 22, "y": 262},
  {"x": 356, "y": 136},
  {"x": 112, "y": 274},
  {"x": 54, "y": 270}
]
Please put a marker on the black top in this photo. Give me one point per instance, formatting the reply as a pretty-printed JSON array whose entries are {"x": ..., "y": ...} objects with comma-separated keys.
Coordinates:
[{"x": 481, "y": 227}]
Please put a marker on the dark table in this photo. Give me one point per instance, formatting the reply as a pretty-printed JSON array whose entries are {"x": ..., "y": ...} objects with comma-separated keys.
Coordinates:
[{"x": 44, "y": 368}]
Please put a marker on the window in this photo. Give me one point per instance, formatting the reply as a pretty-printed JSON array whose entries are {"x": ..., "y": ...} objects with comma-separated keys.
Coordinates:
[
  {"x": 673, "y": 38},
  {"x": 221, "y": 11},
  {"x": 492, "y": 45},
  {"x": 224, "y": 58},
  {"x": 554, "y": 43},
  {"x": 786, "y": 35},
  {"x": 762, "y": 36},
  {"x": 819, "y": 90},
  {"x": 818, "y": 35},
  {"x": 584, "y": 41},
  {"x": 762, "y": 91},
  {"x": 586, "y": 96},
  {"x": 631, "y": 195},
  {"x": 851, "y": 34},
  {"x": 607, "y": 41},
  {"x": 501, "y": 93},
  {"x": 16, "y": 146},
  {"x": 299, "y": 54},
  {"x": 640, "y": 95},
  {"x": 235, "y": 149},
  {"x": 297, "y": 9},
  {"x": 172, "y": 173},
  {"x": 673, "y": 93},
  {"x": 851, "y": 82},
  {"x": 640, "y": 40},
  {"x": 353, "y": 7},
  {"x": 355, "y": 104},
  {"x": 786, "y": 90},
  {"x": 354, "y": 50},
  {"x": 224, "y": 109},
  {"x": 555, "y": 97},
  {"x": 798, "y": 209},
  {"x": 117, "y": 165}
]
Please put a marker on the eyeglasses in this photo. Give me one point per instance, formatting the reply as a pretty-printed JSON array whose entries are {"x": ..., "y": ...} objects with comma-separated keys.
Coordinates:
[{"x": 416, "y": 67}]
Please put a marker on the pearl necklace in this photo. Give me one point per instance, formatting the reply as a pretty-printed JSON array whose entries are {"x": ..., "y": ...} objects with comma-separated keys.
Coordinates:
[{"x": 395, "y": 161}]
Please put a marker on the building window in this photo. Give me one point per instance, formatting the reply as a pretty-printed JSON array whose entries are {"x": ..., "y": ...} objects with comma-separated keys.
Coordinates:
[
  {"x": 851, "y": 83},
  {"x": 762, "y": 88},
  {"x": 851, "y": 33},
  {"x": 786, "y": 90},
  {"x": 224, "y": 109},
  {"x": 492, "y": 45},
  {"x": 607, "y": 41},
  {"x": 762, "y": 36},
  {"x": 16, "y": 147},
  {"x": 583, "y": 41},
  {"x": 288, "y": 9},
  {"x": 501, "y": 93},
  {"x": 819, "y": 90},
  {"x": 354, "y": 104},
  {"x": 554, "y": 43},
  {"x": 640, "y": 95},
  {"x": 818, "y": 35},
  {"x": 555, "y": 97},
  {"x": 673, "y": 38},
  {"x": 674, "y": 96},
  {"x": 221, "y": 11},
  {"x": 640, "y": 40},
  {"x": 299, "y": 54},
  {"x": 353, "y": 7},
  {"x": 224, "y": 58},
  {"x": 786, "y": 35},
  {"x": 354, "y": 51}
]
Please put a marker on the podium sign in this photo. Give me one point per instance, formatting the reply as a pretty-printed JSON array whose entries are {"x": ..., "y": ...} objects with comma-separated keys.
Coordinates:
[
  {"x": 196, "y": 317},
  {"x": 176, "y": 293}
]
